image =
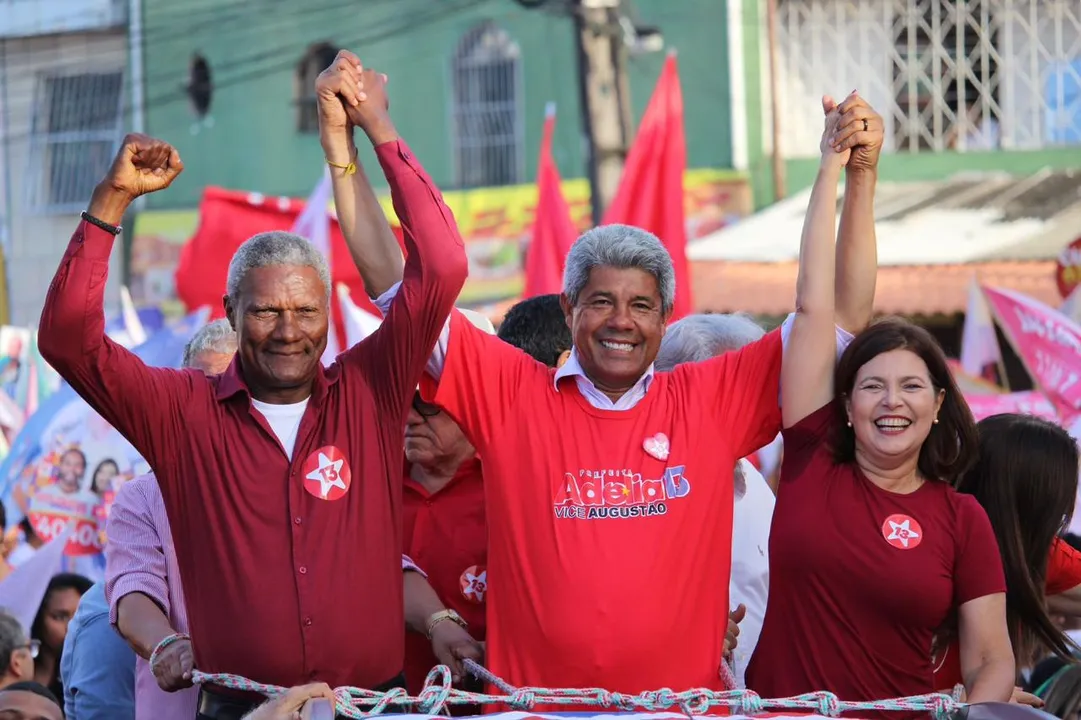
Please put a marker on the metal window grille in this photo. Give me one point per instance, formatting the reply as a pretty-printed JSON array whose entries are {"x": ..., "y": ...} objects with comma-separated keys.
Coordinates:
[
  {"x": 487, "y": 128},
  {"x": 945, "y": 74},
  {"x": 316, "y": 60},
  {"x": 75, "y": 129}
]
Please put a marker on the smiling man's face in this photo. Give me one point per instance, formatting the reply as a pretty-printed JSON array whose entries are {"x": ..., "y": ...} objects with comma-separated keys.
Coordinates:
[{"x": 617, "y": 325}]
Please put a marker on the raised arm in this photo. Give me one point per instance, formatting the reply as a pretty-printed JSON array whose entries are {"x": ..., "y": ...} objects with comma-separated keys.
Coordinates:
[
  {"x": 807, "y": 365},
  {"x": 371, "y": 242},
  {"x": 136, "y": 400},
  {"x": 861, "y": 130},
  {"x": 395, "y": 355}
]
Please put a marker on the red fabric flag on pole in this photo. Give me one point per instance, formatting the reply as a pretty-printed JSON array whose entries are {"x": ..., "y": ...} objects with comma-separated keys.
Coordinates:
[
  {"x": 226, "y": 219},
  {"x": 553, "y": 229},
  {"x": 650, "y": 194}
]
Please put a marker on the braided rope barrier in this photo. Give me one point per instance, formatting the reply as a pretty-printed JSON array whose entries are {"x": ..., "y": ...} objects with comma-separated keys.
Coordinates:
[{"x": 437, "y": 695}]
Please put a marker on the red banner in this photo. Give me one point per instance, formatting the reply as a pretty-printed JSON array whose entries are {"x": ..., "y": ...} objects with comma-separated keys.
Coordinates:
[{"x": 1048, "y": 343}]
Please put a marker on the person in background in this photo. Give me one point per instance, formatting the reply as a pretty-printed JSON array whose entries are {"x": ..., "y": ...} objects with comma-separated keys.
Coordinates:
[
  {"x": 29, "y": 701},
  {"x": 288, "y": 705},
  {"x": 17, "y": 652},
  {"x": 1063, "y": 693},
  {"x": 50, "y": 627},
  {"x": 697, "y": 338},
  {"x": 97, "y": 669},
  {"x": 101, "y": 482},
  {"x": 445, "y": 532},
  {"x": 1025, "y": 478},
  {"x": 142, "y": 580},
  {"x": 538, "y": 327}
]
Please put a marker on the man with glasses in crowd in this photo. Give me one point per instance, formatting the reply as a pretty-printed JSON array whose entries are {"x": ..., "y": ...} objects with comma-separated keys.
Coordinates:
[{"x": 17, "y": 652}]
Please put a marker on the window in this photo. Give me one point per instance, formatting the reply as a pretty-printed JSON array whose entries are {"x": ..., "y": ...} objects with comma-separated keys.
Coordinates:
[
  {"x": 200, "y": 87},
  {"x": 965, "y": 75},
  {"x": 316, "y": 60},
  {"x": 75, "y": 129},
  {"x": 486, "y": 114}
]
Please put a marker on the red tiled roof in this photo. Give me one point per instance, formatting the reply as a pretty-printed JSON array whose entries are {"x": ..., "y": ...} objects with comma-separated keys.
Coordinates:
[{"x": 770, "y": 288}]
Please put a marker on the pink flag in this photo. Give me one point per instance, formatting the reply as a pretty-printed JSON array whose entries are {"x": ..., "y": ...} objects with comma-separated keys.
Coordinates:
[
  {"x": 1025, "y": 403},
  {"x": 313, "y": 223},
  {"x": 1048, "y": 343}
]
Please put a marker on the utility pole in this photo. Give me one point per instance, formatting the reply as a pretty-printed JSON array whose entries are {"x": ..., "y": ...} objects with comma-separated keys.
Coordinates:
[{"x": 603, "y": 87}]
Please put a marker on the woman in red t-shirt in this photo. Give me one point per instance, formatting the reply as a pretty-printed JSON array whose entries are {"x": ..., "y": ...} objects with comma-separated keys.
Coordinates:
[
  {"x": 1026, "y": 480},
  {"x": 871, "y": 549}
]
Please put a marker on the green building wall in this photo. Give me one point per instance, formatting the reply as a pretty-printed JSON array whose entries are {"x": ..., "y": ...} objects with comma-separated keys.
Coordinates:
[{"x": 253, "y": 48}]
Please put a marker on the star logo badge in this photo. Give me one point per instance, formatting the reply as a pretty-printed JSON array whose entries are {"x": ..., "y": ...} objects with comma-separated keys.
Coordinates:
[
  {"x": 326, "y": 473},
  {"x": 902, "y": 532},
  {"x": 474, "y": 583}
]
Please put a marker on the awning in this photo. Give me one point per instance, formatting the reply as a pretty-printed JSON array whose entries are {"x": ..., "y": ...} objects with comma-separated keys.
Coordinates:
[
  {"x": 933, "y": 237},
  {"x": 770, "y": 288}
]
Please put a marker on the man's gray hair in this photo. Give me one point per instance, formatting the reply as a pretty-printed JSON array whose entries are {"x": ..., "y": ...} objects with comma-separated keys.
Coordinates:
[
  {"x": 216, "y": 337},
  {"x": 700, "y": 337},
  {"x": 620, "y": 246},
  {"x": 274, "y": 248},
  {"x": 12, "y": 637}
]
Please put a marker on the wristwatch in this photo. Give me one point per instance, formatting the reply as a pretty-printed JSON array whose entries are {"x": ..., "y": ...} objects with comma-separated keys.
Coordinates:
[{"x": 442, "y": 615}]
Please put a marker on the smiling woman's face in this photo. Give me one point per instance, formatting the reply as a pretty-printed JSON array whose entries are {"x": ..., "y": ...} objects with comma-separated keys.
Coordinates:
[{"x": 892, "y": 406}]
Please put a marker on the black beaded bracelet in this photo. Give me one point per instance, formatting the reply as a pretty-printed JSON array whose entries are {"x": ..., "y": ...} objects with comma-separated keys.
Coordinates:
[{"x": 114, "y": 229}]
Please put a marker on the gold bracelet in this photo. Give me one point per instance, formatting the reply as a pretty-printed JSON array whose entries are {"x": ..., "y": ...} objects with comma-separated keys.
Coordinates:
[{"x": 349, "y": 169}]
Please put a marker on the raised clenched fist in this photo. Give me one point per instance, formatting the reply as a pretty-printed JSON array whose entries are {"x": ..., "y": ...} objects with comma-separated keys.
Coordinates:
[{"x": 143, "y": 165}]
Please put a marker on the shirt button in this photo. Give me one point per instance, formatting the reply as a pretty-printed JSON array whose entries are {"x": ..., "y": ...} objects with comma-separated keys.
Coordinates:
[
  {"x": 297, "y": 520},
  {"x": 303, "y": 570},
  {"x": 307, "y": 622}
]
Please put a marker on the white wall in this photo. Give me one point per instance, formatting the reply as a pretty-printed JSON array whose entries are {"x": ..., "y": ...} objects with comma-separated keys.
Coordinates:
[{"x": 38, "y": 240}]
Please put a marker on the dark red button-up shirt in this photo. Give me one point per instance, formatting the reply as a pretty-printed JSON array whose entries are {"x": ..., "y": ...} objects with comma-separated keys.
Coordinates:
[
  {"x": 281, "y": 586},
  {"x": 446, "y": 534}
]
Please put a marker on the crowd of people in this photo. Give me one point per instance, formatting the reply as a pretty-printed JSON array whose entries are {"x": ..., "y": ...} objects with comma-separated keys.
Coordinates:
[{"x": 578, "y": 500}]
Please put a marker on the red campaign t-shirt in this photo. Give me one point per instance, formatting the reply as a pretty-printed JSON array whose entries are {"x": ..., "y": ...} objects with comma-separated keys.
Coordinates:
[
  {"x": 446, "y": 535},
  {"x": 1063, "y": 573},
  {"x": 860, "y": 578},
  {"x": 608, "y": 565}
]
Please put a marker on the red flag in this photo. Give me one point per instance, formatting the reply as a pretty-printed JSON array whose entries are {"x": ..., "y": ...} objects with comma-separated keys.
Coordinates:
[
  {"x": 553, "y": 229},
  {"x": 226, "y": 219},
  {"x": 650, "y": 194}
]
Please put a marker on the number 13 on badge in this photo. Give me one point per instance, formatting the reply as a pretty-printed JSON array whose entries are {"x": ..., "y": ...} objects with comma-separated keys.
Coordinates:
[{"x": 326, "y": 473}]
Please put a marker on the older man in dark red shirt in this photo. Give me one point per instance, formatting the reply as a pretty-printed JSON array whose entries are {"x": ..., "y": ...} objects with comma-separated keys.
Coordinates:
[{"x": 282, "y": 479}]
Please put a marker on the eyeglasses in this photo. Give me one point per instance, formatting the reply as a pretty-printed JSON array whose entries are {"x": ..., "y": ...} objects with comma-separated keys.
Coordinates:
[
  {"x": 34, "y": 647},
  {"x": 425, "y": 409}
]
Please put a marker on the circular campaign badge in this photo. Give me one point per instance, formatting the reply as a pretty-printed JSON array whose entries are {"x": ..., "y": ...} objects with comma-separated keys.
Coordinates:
[
  {"x": 474, "y": 583},
  {"x": 326, "y": 473},
  {"x": 1068, "y": 268},
  {"x": 902, "y": 531}
]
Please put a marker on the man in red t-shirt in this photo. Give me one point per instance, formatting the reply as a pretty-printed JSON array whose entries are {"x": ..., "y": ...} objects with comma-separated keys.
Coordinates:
[{"x": 609, "y": 487}]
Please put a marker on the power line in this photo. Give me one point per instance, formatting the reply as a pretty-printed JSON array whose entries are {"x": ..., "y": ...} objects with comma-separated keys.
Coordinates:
[{"x": 257, "y": 66}]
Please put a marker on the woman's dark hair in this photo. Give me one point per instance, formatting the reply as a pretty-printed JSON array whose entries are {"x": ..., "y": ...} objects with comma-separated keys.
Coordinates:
[
  {"x": 1026, "y": 480},
  {"x": 62, "y": 581},
  {"x": 950, "y": 449},
  {"x": 94, "y": 475}
]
